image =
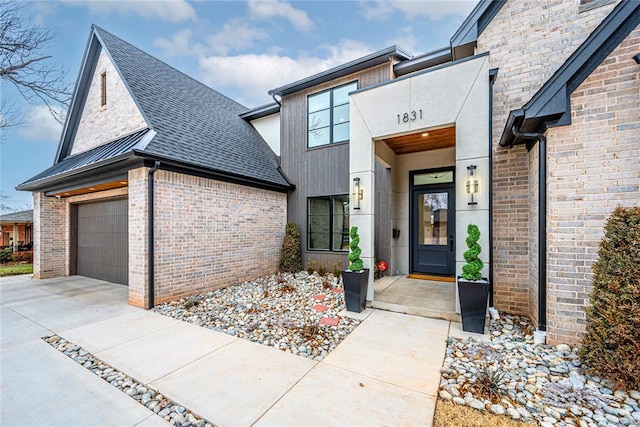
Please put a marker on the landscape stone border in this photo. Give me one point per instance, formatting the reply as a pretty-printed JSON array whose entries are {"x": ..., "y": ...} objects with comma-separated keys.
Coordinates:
[{"x": 150, "y": 398}]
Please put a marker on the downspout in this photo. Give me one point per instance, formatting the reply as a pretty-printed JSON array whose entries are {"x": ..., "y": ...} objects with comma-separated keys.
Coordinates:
[
  {"x": 150, "y": 224},
  {"x": 492, "y": 78},
  {"x": 542, "y": 225}
]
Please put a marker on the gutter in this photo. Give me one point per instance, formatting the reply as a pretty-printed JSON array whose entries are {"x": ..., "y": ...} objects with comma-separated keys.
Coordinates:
[
  {"x": 542, "y": 224},
  {"x": 150, "y": 224}
]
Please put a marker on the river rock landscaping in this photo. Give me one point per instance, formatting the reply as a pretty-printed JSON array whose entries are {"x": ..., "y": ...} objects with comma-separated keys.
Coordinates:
[
  {"x": 512, "y": 376},
  {"x": 297, "y": 313},
  {"x": 153, "y": 400}
]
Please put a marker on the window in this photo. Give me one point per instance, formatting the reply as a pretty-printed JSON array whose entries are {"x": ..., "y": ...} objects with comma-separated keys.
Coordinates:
[
  {"x": 103, "y": 89},
  {"x": 328, "y": 223},
  {"x": 328, "y": 120}
]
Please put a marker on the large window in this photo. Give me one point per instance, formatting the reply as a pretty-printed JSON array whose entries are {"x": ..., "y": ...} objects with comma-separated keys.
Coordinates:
[
  {"x": 328, "y": 120},
  {"x": 328, "y": 223}
]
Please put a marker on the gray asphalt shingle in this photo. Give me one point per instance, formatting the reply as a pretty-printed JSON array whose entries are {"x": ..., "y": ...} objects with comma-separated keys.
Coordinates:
[{"x": 194, "y": 123}]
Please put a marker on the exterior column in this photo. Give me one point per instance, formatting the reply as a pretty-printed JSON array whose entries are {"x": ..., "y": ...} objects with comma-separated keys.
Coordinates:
[
  {"x": 50, "y": 237},
  {"x": 138, "y": 235},
  {"x": 15, "y": 237},
  {"x": 362, "y": 165}
]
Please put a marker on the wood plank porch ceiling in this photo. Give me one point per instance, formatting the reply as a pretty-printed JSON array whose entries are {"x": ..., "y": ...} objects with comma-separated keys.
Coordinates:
[{"x": 423, "y": 141}]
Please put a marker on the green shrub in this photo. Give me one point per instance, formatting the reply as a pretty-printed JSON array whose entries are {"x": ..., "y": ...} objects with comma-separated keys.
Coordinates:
[
  {"x": 611, "y": 343},
  {"x": 356, "y": 263},
  {"x": 5, "y": 256},
  {"x": 290, "y": 259},
  {"x": 472, "y": 270}
]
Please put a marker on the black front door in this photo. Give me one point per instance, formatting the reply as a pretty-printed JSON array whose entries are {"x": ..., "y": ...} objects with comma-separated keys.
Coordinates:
[{"x": 433, "y": 230}]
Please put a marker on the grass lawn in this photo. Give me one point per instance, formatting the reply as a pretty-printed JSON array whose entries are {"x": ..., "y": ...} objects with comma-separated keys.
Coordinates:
[
  {"x": 15, "y": 269},
  {"x": 449, "y": 414}
]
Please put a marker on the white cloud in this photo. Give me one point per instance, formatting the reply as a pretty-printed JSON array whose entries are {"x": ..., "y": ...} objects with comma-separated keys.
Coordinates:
[
  {"x": 40, "y": 125},
  {"x": 434, "y": 9},
  {"x": 405, "y": 39},
  {"x": 234, "y": 35},
  {"x": 179, "y": 44},
  {"x": 276, "y": 8},
  {"x": 254, "y": 74},
  {"x": 42, "y": 10},
  {"x": 163, "y": 10}
]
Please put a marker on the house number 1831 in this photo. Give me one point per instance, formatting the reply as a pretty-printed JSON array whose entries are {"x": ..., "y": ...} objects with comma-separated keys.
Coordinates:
[{"x": 410, "y": 116}]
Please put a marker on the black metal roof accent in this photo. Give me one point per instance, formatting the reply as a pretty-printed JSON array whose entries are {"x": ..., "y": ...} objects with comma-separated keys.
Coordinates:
[
  {"x": 262, "y": 111},
  {"x": 475, "y": 24},
  {"x": 429, "y": 59},
  {"x": 22, "y": 216},
  {"x": 94, "y": 156},
  {"x": 637, "y": 58},
  {"x": 376, "y": 58},
  {"x": 551, "y": 105},
  {"x": 193, "y": 123}
]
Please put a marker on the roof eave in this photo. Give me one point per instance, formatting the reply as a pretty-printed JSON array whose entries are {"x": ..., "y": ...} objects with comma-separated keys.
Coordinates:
[
  {"x": 120, "y": 162},
  {"x": 260, "y": 112},
  {"x": 212, "y": 173},
  {"x": 351, "y": 67}
]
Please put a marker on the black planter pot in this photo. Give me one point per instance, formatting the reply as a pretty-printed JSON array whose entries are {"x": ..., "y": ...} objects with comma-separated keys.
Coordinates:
[
  {"x": 355, "y": 289},
  {"x": 474, "y": 297}
]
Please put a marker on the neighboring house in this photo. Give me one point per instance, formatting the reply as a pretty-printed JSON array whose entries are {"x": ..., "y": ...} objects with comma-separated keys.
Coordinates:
[
  {"x": 157, "y": 180},
  {"x": 17, "y": 230},
  {"x": 409, "y": 149}
]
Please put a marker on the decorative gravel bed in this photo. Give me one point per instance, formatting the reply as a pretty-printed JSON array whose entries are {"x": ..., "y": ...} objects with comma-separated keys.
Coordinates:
[
  {"x": 532, "y": 382},
  {"x": 147, "y": 396},
  {"x": 297, "y": 313}
]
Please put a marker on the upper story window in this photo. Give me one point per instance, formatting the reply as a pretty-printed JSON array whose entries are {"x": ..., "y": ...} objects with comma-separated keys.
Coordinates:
[
  {"x": 328, "y": 120},
  {"x": 103, "y": 89}
]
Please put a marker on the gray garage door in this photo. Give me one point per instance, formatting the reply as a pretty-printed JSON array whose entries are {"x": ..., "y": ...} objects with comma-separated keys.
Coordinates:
[{"x": 103, "y": 241}]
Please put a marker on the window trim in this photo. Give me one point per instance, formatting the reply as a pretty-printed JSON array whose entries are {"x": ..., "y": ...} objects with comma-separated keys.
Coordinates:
[
  {"x": 331, "y": 108},
  {"x": 331, "y": 214}
]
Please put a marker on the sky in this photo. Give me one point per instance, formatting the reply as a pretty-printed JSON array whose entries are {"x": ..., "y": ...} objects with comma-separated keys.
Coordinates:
[{"x": 239, "y": 48}]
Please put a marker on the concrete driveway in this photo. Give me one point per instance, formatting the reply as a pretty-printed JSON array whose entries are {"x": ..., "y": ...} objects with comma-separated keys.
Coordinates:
[{"x": 386, "y": 372}]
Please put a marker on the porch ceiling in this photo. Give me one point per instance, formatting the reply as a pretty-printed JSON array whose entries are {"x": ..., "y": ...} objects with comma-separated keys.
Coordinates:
[
  {"x": 93, "y": 188},
  {"x": 423, "y": 141}
]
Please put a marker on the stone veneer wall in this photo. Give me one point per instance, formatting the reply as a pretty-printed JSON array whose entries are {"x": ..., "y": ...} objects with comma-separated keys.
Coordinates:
[
  {"x": 208, "y": 234},
  {"x": 528, "y": 41},
  {"x": 50, "y": 237},
  {"x": 119, "y": 117},
  {"x": 594, "y": 166}
]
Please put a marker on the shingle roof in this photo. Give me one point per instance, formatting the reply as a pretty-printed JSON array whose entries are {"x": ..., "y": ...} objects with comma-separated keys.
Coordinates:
[
  {"x": 22, "y": 216},
  {"x": 195, "y": 124}
]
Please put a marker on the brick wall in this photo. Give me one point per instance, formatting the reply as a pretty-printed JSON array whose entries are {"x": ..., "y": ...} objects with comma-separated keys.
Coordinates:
[
  {"x": 119, "y": 117},
  {"x": 138, "y": 259},
  {"x": 208, "y": 234},
  {"x": 594, "y": 166},
  {"x": 50, "y": 237},
  {"x": 20, "y": 230},
  {"x": 528, "y": 41}
]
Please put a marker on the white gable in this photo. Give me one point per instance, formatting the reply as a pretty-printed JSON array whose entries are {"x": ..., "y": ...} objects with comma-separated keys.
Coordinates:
[{"x": 100, "y": 124}]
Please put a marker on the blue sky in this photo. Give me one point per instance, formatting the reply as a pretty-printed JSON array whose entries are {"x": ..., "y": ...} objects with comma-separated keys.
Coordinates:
[{"x": 241, "y": 49}]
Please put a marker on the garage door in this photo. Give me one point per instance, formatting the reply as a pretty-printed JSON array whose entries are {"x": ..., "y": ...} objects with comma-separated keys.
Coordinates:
[{"x": 103, "y": 241}]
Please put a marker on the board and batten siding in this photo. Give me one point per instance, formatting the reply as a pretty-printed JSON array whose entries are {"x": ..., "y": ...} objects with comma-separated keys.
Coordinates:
[{"x": 322, "y": 171}]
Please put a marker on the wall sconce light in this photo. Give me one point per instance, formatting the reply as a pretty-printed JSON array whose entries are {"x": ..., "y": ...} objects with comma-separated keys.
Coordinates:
[
  {"x": 472, "y": 183},
  {"x": 357, "y": 193}
]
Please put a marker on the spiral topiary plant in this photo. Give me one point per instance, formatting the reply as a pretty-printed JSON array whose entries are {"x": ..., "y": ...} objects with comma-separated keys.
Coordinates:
[
  {"x": 472, "y": 270},
  {"x": 355, "y": 262}
]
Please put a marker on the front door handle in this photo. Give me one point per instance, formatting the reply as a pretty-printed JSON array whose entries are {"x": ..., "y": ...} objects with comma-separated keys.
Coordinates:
[{"x": 451, "y": 243}]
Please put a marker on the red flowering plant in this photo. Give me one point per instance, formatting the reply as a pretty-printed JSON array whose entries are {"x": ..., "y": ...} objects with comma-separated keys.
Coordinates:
[{"x": 381, "y": 267}]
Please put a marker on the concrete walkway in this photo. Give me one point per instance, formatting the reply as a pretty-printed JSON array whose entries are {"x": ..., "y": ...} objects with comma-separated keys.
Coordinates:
[{"x": 386, "y": 372}]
